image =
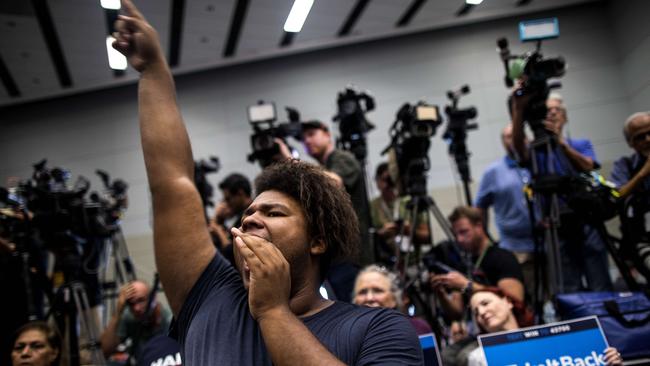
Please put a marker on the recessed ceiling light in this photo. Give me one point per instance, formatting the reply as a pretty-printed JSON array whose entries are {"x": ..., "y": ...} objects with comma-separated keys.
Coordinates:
[
  {"x": 473, "y": 2},
  {"x": 111, "y": 4},
  {"x": 116, "y": 60},
  {"x": 298, "y": 15}
]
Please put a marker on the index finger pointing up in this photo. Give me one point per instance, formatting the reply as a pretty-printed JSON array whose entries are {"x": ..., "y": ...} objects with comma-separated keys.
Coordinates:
[{"x": 131, "y": 10}]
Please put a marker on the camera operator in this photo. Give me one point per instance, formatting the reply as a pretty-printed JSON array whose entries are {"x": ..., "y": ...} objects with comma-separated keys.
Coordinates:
[
  {"x": 632, "y": 175},
  {"x": 236, "y": 191},
  {"x": 267, "y": 310},
  {"x": 383, "y": 209},
  {"x": 502, "y": 188},
  {"x": 491, "y": 265},
  {"x": 320, "y": 146},
  {"x": 582, "y": 250},
  {"x": 133, "y": 320}
]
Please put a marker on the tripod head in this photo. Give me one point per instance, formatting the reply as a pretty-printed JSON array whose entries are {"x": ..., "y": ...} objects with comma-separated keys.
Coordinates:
[
  {"x": 457, "y": 127},
  {"x": 353, "y": 125},
  {"x": 533, "y": 71}
]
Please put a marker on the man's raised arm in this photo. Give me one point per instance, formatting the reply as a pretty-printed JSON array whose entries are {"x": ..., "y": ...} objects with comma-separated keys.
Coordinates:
[{"x": 181, "y": 241}]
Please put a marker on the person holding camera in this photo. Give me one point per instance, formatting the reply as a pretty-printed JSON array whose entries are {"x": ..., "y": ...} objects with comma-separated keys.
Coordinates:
[
  {"x": 582, "y": 249},
  {"x": 319, "y": 145},
  {"x": 490, "y": 265},
  {"x": 632, "y": 173},
  {"x": 391, "y": 218},
  {"x": 237, "y": 192},
  {"x": 132, "y": 319},
  {"x": 267, "y": 309},
  {"x": 632, "y": 176}
]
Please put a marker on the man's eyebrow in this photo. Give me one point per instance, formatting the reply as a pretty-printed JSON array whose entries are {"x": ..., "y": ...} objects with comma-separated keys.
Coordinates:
[{"x": 264, "y": 207}]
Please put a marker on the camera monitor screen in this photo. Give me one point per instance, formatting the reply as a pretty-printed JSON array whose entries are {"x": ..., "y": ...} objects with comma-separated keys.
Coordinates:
[
  {"x": 426, "y": 113},
  {"x": 261, "y": 113},
  {"x": 539, "y": 29}
]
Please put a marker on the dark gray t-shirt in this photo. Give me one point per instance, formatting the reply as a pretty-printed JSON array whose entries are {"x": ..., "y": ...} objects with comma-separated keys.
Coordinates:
[{"x": 215, "y": 327}]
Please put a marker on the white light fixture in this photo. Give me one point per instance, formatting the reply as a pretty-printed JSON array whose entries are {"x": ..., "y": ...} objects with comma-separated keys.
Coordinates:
[
  {"x": 116, "y": 60},
  {"x": 111, "y": 4},
  {"x": 298, "y": 15},
  {"x": 473, "y": 2}
]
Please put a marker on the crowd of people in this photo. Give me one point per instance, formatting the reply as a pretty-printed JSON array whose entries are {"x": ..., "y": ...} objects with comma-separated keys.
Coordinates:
[{"x": 299, "y": 267}]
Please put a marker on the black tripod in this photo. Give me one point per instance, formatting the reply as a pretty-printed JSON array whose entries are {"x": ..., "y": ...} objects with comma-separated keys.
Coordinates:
[
  {"x": 456, "y": 135},
  {"x": 115, "y": 251},
  {"x": 551, "y": 190},
  {"x": 417, "y": 203},
  {"x": 71, "y": 308}
]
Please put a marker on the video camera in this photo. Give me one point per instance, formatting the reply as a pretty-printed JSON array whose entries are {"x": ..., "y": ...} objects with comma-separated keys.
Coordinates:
[
  {"x": 106, "y": 209},
  {"x": 534, "y": 70},
  {"x": 201, "y": 169},
  {"x": 410, "y": 140},
  {"x": 353, "y": 125},
  {"x": 457, "y": 127},
  {"x": 262, "y": 117}
]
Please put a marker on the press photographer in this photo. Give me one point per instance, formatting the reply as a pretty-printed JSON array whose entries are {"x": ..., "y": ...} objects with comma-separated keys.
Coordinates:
[
  {"x": 632, "y": 175},
  {"x": 347, "y": 170},
  {"x": 582, "y": 250}
]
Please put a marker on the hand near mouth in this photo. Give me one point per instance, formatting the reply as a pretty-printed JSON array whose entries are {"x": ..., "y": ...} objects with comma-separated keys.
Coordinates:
[{"x": 270, "y": 280}]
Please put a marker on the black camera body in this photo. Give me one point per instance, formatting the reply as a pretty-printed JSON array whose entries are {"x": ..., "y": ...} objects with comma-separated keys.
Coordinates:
[
  {"x": 353, "y": 125},
  {"x": 410, "y": 141},
  {"x": 202, "y": 168},
  {"x": 535, "y": 71},
  {"x": 457, "y": 127},
  {"x": 265, "y": 131}
]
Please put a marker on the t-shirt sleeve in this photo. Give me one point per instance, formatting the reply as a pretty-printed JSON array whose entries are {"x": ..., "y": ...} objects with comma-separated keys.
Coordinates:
[
  {"x": 390, "y": 340},
  {"x": 584, "y": 147},
  {"x": 620, "y": 173},
  {"x": 485, "y": 196},
  {"x": 347, "y": 168},
  {"x": 218, "y": 275},
  {"x": 508, "y": 267}
]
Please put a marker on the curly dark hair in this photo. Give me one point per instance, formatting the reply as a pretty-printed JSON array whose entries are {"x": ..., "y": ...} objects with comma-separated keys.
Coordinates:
[{"x": 326, "y": 206}]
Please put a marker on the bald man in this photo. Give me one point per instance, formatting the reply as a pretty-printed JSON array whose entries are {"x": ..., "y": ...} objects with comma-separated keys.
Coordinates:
[
  {"x": 132, "y": 321},
  {"x": 632, "y": 175}
]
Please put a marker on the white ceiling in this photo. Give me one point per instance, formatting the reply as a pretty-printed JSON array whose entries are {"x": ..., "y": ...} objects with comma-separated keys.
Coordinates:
[{"x": 81, "y": 29}]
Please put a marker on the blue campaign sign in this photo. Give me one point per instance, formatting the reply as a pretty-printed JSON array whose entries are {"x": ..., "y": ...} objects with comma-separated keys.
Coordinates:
[
  {"x": 578, "y": 342},
  {"x": 430, "y": 350}
]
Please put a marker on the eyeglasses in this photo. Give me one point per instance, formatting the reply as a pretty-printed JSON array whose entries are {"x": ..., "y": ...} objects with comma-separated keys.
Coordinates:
[{"x": 640, "y": 136}]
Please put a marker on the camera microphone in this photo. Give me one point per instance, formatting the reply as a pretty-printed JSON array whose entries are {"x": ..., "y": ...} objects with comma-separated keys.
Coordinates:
[{"x": 504, "y": 52}]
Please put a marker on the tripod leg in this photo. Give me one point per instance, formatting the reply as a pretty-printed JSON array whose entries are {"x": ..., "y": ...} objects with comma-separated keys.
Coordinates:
[
  {"x": 88, "y": 324},
  {"x": 555, "y": 272},
  {"x": 128, "y": 269},
  {"x": 410, "y": 245},
  {"x": 442, "y": 221},
  {"x": 623, "y": 268}
]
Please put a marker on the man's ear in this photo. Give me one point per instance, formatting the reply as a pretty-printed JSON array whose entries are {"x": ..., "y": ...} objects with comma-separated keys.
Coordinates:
[{"x": 318, "y": 246}]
